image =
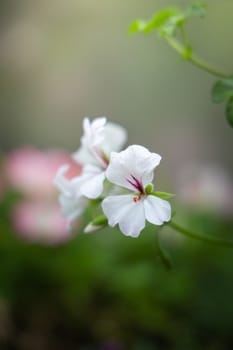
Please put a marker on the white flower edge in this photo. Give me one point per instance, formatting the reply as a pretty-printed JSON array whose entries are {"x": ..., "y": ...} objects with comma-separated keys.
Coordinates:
[
  {"x": 136, "y": 161},
  {"x": 131, "y": 216},
  {"x": 99, "y": 135},
  {"x": 71, "y": 199},
  {"x": 92, "y": 181}
]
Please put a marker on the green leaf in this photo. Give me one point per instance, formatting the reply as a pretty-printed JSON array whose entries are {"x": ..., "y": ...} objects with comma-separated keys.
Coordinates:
[
  {"x": 197, "y": 9},
  {"x": 159, "y": 19},
  {"x": 171, "y": 26},
  {"x": 142, "y": 26},
  {"x": 168, "y": 20},
  {"x": 222, "y": 90},
  {"x": 229, "y": 111},
  {"x": 178, "y": 18},
  {"x": 163, "y": 195},
  {"x": 137, "y": 26}
]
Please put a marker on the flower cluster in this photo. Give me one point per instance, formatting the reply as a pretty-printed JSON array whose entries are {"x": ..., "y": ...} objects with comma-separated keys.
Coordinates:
[{"x": 122, "y": 179}]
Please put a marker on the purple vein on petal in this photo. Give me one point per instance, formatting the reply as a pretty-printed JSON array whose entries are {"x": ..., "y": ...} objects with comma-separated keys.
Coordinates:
[{"x": 136, "y": 184}]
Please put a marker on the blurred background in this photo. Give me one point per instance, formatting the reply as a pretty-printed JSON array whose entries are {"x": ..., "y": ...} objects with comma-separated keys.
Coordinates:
[{"x": 61, "y": 60}]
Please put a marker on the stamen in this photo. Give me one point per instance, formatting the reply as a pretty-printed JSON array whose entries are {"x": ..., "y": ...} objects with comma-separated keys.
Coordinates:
[{"x": 137, "y": 198}]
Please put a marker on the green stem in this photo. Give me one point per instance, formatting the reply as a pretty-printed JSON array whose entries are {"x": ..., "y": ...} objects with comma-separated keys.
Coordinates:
[
  {"x": 197, "y": 236},
  {"x": 184, "y": 37},
  {"x": 175, "y": 44},
  {"x": 164, "y": 256},
  {"x": 204, "y": 66},
  {"x": 194, "y": 59}
]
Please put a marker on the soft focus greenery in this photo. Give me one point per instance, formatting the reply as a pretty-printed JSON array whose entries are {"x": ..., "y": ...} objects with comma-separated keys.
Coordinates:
[
  {"x": 171, "y": 25},
  {"x": 108, "y": 291}
]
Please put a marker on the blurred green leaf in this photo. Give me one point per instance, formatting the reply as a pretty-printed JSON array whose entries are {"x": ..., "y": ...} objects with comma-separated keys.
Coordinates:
[
  {"x": 137, "y": 26},
  {"x": 197, "y": 9},
  {"x": 163, "y": 195},
  {"x": 168, "y": 20},
  {"x": 155, "y": 22},
  {"x": 222, "y": 90},
  {"x": 178, "y": 19},
  {"x": 170, "y": 27},
  {"x": 229, "y": 111},
  {"x": 160, "y": 18}
]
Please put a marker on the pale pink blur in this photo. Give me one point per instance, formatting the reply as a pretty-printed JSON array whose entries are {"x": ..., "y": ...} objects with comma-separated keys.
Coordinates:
[
  {"x": 206, "y": 187},
  {"x": 37, "y": 216},
  {"x": 31, "y": 171},
  {"x": 40, "y": 222}
]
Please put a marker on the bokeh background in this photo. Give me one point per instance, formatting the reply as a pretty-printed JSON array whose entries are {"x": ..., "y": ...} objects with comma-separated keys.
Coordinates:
[{"x": 63, "y": 60}]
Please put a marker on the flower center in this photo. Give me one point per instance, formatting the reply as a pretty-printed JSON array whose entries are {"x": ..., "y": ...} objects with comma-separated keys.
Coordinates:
[
  {"x": 136, "y": 184},
  {"x": 137, "y": 198}
]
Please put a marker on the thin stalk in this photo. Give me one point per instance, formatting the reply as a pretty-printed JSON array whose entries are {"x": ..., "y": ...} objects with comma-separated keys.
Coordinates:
[
  {"x": 164, "y": 255},
  {"x": 199, "y": 237},
  {"x": 194, "y": 59},
  {"x": 184, "y": 37}
]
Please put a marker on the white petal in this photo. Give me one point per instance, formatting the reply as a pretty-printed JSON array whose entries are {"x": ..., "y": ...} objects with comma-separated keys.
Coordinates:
[
  {"x": 157, "y": 210},
  {"x": 72, "y": 207},
  {"x": 68, "y": 187},
  {"x": 115, "y": 137},
  {"x": 93, "y": 137},
  {"x": 92, "y": 182},
  {"x": 61, "y": 182},
  {"x": 135, "y": 161},
  {"x": 99, "y": 136},
  {"x": 124, "y": 211},
  {"x": 71, "y": 201},
  {"x": 84, "y": 156},
  {"x": 93, "y": 131}
]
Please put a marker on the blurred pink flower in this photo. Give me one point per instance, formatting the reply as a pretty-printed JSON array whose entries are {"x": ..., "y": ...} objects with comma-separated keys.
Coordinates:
[
  {"x": 1, "y": 189},
  {"x": 32, "y": 172},
  {"x": 206, "y": 187},
  {"x": 37, "y": 217},
  {"x": 40, "y": 222}
]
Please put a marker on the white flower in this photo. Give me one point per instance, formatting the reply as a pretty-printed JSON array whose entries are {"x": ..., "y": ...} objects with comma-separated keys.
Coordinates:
[
  {"x": 133, "y": 169},
  {"x": 99, "y": 139},
  {"x": 71, "y": 199}
]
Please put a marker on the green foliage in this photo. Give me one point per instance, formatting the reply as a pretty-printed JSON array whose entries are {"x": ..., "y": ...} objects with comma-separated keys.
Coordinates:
[
  {"x": 229, "y": 111},
  {"x": 100, "y": 220},
  {"x": 223, "y": 91},
  {"x": 156, "y": 22},
  {"x": 168, "y": 20},
  {"x": 170, "y": 24},
  {"x": 164, "y": 256},
  {"x": 102, "y": 289},
  {"x": 197, "y": 9}
]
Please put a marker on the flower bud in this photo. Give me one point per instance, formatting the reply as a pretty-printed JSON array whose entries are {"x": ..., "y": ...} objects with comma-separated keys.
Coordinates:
[
  {"x": 149, "y": 188},
  {"x": 97, "y": 224}
]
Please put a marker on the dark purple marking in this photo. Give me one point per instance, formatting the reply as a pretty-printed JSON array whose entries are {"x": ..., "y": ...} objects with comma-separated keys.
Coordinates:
[{"x": 136, "y": 184}]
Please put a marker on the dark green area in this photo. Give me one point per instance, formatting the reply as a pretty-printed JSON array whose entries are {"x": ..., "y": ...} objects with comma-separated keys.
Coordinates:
[{"x": 107, "y": 291}]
